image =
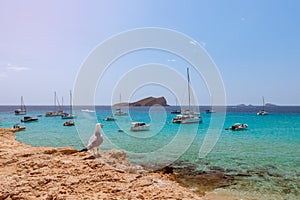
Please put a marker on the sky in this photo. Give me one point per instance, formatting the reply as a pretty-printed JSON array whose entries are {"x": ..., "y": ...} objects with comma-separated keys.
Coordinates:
[{"x": 254, "y": 44}]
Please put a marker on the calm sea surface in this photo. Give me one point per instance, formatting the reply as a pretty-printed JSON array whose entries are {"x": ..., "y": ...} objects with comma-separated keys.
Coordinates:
[{"x": 266, "y": 156}]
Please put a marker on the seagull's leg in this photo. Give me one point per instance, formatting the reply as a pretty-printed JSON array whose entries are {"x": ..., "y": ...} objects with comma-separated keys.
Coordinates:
[{"x": 97, "y": 152}]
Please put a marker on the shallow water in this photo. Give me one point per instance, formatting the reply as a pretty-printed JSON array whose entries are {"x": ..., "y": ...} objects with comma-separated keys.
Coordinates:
[{"x": 264, "y": 160}]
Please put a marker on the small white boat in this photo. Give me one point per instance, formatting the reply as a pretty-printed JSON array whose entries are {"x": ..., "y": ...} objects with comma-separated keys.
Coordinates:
[
  {"x": 17, "y": 128},
  {"x": 139, "y": 126},
  {"x": 238, "y": 127},
  {"x": 87, "y": 110},
  {"x": 187, "y": 118}
]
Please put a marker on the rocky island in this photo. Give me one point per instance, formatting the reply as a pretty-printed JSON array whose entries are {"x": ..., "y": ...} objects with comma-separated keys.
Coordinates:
[{"x": 149, "y": 101}]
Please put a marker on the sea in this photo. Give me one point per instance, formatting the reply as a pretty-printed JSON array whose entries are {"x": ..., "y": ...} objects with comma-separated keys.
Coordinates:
[{"x": 262, "y": 161}]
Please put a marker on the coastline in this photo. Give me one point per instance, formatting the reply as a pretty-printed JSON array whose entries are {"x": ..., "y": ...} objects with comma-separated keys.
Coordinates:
[{"x": 64, "y": 173}]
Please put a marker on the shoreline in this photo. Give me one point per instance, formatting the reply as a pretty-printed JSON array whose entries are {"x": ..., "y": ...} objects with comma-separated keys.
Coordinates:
[{"x": 48, "y": 173}]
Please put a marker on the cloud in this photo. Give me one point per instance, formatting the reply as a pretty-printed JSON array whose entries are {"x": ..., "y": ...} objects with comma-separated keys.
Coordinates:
[
  {"x": 16, "y": 68},
  {"x": 171, "y": 60},
  {"x": 193, "y": 42}
]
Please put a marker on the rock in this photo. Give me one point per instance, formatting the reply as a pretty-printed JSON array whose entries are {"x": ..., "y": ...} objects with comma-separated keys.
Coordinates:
[{"x": 149, "y": 101}]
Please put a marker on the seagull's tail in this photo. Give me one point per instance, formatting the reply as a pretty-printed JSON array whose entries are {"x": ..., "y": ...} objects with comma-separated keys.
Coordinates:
[{"x": 84, "y": 149}]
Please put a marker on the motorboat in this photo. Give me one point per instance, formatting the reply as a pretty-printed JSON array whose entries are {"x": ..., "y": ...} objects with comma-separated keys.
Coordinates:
[
  {"x": 67, "y": 116},
  {"x": 187, "y": 116},
  {"x": 210, "y": 111},
  {"x": 175, "y": 112},
  {"x": 238, "y": 127},
  {"x": 110, "y": 119},
  {"x": 69, "y": 123},
  {"x": 29, "y": 119},
  {"x": 22, "y": 109},
  {"x": 17, "y": 128},
  {"x": 140, "y": 126}
]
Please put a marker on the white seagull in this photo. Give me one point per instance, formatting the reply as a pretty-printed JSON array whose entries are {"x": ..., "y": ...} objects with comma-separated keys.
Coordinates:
[{"x": 95, "y": 140}]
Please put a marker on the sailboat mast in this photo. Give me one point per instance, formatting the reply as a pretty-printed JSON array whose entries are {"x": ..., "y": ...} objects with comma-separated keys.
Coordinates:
[
  {"x": 70, "y": 101},
  {"x": 188, "y": 77},
  {"x": 23, "y": 108},
  {"x": 55, "y": 101},
  {"x": 263, "y": 103}
]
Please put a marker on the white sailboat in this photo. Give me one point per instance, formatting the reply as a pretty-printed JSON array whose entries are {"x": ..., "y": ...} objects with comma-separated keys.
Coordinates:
[
  {"x": 54, "y": 113},
  {"x": 119, "y": 112},
  {"x": 22, "y": 110},
  {"x": 188, "y": 116},
  {"x": 262, "y": 112},
  {"x": 70, "y": 115}
]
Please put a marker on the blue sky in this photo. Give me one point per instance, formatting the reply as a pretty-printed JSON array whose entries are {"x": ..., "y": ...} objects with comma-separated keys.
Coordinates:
[{"x": 255, "y": 45}]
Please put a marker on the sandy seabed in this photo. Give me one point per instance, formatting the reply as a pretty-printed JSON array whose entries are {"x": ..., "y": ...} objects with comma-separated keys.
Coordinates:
[{"x": 28, "y": 172}]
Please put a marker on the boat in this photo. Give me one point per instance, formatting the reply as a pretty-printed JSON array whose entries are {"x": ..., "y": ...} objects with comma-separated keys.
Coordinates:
[
  {"x": 176, "y": 112},
  {"x": 69, "y": 115},
  {"x": 210, "y": 111},
  {"x": 55, "y": 113},
  {"x": 140, "y": 126},
  {"x": 110, "y": 119},
  {"x": 22, "y": 110},
  {"x": 239, "y": 127},
  {"x": 119, "y": 112},
  {"x": 17, "y": 128},
  {"x": 69, "y": 123},
  {"x": 87, "y": 110},
  {"x": 29, "y": 119},
  {"x": 262, "y": 111},
  {"x": 188, "y": 116}
]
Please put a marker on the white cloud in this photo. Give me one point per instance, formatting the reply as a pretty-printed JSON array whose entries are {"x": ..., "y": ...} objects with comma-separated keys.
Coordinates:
[
  {"x": 16, "y": 68},
  {"x": 171, "y": 60},
  {"x": 193, "y": 42}
]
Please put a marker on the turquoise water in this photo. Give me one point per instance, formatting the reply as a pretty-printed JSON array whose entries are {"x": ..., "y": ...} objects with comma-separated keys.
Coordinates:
[{"x": 268, "y": 153}]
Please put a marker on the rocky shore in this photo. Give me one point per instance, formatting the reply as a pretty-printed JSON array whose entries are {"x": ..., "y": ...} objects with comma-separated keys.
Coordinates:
[{"x": 64, "y": 173}]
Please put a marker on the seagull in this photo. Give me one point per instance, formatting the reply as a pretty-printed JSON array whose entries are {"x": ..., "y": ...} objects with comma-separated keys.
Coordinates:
[{"x": 95, "y": 140}]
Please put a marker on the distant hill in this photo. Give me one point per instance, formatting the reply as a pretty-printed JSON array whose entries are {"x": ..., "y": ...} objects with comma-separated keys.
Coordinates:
[
  {"x": 267, "y": 104},
  {"x": 149, "y": 101},
  {"x": 270, "y": 104}
]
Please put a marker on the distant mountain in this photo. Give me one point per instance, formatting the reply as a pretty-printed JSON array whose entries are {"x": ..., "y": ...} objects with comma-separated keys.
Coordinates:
[
  {"x": 149, "y": 101},
  {"x": 269, "y": 104}
]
